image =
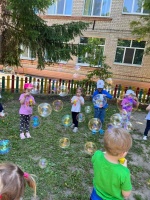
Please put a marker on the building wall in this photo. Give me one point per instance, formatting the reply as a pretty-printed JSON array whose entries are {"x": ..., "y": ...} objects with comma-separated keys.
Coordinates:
[
  {"x": 111, "y": 28},
  {"x": 117, "y": 25}
]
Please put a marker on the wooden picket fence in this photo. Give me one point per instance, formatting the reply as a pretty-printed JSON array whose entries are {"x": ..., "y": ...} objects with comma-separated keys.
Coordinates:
[{"x": 14, "y": 84}]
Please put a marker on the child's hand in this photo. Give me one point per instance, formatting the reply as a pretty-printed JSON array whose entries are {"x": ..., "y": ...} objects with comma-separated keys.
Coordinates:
[
  {"x": 26, "y": 94},
  {"x": 123, "y": 162}
]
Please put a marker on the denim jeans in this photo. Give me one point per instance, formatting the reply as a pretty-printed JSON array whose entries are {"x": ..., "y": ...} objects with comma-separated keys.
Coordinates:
[
  {"x": 100, "y": 113},
  {"x": 94, "y": 196},
  {"x": 147, "y": 128}
]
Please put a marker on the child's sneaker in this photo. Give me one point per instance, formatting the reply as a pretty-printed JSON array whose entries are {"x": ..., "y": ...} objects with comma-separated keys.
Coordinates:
[
  {"x": 145, "y": 137},
  {"x": 28, "y": 135},
  {"x": 75, "y": 129},
  {"x": 22, "y": 136},
  {"x": 72, "y": 125}
]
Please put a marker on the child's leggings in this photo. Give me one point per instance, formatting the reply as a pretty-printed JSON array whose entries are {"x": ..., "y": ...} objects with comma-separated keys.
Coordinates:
[
  {"x": 24, "y": 123},
  {"x": 74, "y": 118}
]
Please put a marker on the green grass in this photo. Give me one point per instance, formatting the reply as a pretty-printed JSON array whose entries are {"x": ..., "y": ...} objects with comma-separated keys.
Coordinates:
[{"x": 68, "y": 173}]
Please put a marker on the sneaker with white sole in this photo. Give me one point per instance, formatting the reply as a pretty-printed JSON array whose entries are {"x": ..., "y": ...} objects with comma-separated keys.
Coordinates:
[
  {"x": 22, "y": 136},
  {"x": 145, "y": 137},
  {"x": 75, "y": 129},
  {"x": 28, "y": 135},
  {"x": 72, "y": 125}
]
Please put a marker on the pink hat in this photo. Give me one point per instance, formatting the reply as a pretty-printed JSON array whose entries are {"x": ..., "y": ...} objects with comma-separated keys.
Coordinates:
[{"x": 28, "y": 86}]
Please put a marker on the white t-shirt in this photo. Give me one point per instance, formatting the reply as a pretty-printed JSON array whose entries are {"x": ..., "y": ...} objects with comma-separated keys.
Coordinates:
[
  {"x": 148, "y": 116},
  {"x": 76, "y": 103}
]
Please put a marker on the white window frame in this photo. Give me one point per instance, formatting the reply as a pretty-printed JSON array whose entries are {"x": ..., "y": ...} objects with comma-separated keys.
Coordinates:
[
  {"x": 134, "y": 13},
  {"x": 28, "y": 52},
  {"x": 86, "y": 54},
  {"x": 63, "y": 9},
  {"x": 91, "y": 15},
  {"x": 130, "y": 47}
]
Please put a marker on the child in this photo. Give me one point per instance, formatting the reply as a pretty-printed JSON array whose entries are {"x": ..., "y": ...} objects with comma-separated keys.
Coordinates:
[
  {"x": 112, "y": 179},
  {"x": 128, "y": 102},
  {"x": 99, "y": 112},
  {"x": 26, "y": 101},
  {"x": 13, "y": 181},
  {"x": 147, "y": 123},
  {"x": 76, "y": 101}
]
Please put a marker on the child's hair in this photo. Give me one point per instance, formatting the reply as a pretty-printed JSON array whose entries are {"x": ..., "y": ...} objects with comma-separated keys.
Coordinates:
[
  {"x": 117, "y": 140},
  {"x": 13, "y": 181}
]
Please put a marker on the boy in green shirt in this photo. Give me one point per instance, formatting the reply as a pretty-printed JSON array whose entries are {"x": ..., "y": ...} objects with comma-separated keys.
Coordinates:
[{"x": 111, "y": 179}]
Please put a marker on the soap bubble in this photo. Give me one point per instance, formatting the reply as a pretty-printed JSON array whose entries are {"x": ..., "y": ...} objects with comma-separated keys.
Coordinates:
[
  {"x": 64, "y": 142},
  {"x": 88, "y": 109},
  {"x": 95, "y": 125},
  {"x": 35, "y": 121},
  {"x": 44, "y": 109},
  {"x": 62, "y": 91},
  {"x": 5, "y": 146},
  {"x": 67, "y": 120},
  {"x": 80, "y": 117},
  {"x": 99, "y": 100},
  {"x": 75, "y": 75},
  {"x": 77, "y": 67},
  {"x": 130, "y": 104},
  {"x": 43, "y": 163},
  {"x": 35, "y": 89},
  {"x": 90, "y": 148},
  {"x": 57, "y": 105},
  {"x": 128, "y": 126},
  {"x": 116, "y": 120},
  {"x": 109, "y": 81}
]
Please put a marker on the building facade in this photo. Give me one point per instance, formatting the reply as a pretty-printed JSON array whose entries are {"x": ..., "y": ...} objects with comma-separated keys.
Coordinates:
[{"x": 109, "y": 21}]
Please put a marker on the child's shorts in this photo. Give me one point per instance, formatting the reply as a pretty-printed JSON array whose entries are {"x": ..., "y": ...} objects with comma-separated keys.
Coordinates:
[{"x": 94, "y": 196}]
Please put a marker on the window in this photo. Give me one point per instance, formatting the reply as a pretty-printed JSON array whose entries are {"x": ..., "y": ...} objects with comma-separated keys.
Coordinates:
[
  {"x": 60, "y": 7},
  {"x": 92, "y": 51},
  {"x": 97, "y": 7},
  {"x": 130, "y": 52},
  {"x": 26, "y": 53},
  {"x": 134, "y": 7}
]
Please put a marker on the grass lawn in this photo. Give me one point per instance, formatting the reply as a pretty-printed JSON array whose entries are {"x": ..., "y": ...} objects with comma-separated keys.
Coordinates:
[{"x": 68, "y": 173}]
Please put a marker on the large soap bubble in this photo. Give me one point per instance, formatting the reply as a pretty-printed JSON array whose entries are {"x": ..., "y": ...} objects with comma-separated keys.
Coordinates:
[
  {"x": 35, "y": 121},
  {"x": 99, "y": 100},
  {"x": 130, "y": 104},
  {"x": 109, "y": 81},
  {"x": 5, "y": 146},
  {"x": 64, "y": 142},
  {"x": 35, "y": 89},
  {"x": 62, "y": 91},
  {"x": 67, "y": 120},
  {"x": 95, "y": 125},
  {"x": 57, "y": 105},
  {"x": 80, "y": 117},
  {"x": 116, "y": 120},
  {"x": 90, "y": 148},
  {"x": 88, "y": 109},
  {"x": 44, "y": 109}
]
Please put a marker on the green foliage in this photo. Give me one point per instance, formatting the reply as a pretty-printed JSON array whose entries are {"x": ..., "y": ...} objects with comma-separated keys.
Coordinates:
[
  {"x": 22, "y": 26},
  {"x": 141, "y": 28},
  {"x": 94, "y": 57},
  {"x": 92, "y": 52}
]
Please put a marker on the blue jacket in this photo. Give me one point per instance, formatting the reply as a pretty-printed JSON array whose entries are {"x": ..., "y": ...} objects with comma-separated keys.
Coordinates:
[{"x": 109, "y": 96}]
